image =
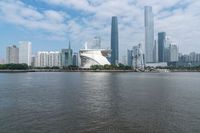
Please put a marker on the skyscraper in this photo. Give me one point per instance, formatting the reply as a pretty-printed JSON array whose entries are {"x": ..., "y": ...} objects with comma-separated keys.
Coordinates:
[
  {"x": 173, "y": 51},
  {"x": 12, "y": 54},
  {"x": 155, "y": 52},
  {"x": 114, "y": 41},
  {"x": 75, "y": 59},
  {"x": 129, "y": 58},
  {"x": 25, "y": 52},
  {"x": 66, "y": 56},
  {"x": 149, "y": 34},
  {"x": 161, "y": 46}
]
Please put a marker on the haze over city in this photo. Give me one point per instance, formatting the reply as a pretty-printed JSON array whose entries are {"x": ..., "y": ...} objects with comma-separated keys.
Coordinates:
[{"x": 49, "y": 24}]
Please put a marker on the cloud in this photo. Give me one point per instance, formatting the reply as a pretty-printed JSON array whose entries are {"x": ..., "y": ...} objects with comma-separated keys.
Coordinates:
[
  {"x": 88, "y": 18},
  {"x": 16, "y": 12}
]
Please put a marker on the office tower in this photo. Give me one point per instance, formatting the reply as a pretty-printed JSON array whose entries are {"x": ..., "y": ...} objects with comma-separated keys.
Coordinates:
[
  {"x": 173, "y": 52},
  {"x": 12, "y": 54},
  {"x": 149, "y": 34},
  {"x": 114, "y": 41},
  {"x": 161, "y": 46},
  {"x": 155, "y": 52},
  {"x": 66, "y": 56},
  {"x": 75, "y": 59},
  {"x": 25, "y": 52},
  {"x": 129, "y": 58},
  {"x": 54, "y": 59}
]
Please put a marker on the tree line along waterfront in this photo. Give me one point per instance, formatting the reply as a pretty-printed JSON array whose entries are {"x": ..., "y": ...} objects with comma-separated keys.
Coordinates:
[{"x": 119, "y": 67}]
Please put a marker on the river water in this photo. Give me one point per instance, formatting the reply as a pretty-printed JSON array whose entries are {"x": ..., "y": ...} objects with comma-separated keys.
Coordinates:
[{"x": 100, "y": 103}]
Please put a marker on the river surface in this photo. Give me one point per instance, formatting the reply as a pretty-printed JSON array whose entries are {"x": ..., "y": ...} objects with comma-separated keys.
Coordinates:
[{"x": 100, "y": 103}]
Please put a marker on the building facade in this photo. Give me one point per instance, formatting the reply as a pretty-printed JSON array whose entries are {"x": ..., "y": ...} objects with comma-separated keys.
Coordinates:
[
  {"x": 129, "y": 58},
  {"x": 136, "y": 57},
  {"x": 114, "y": 41},
  {"x": 161, "y": 46},
  {"x": 48, "y": 59},
  {"x": 173, "y": 50},
  {"x": 155, "y": 52},
  {"x": 91, "y": 57},
  {"x": 75, "y": 59},
  {"x": 12, "y": 55},
  {"x": 42, "y": 59},
  {"x": 66, "y": 57},
  {"x": 25, "y": 52},
  {"x": 54, "y": 59},
  {"x": 149, "y": 34}
]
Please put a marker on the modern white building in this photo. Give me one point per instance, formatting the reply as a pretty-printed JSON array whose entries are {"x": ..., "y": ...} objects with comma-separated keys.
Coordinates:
[
  {"x": 48, "y": 59},
  {"x": 91, "y": 57},
  {"x": 25, "y": 52},
  {"x": 12, "y": 54}
]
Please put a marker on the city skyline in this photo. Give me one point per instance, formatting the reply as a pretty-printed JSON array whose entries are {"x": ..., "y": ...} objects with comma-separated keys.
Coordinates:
[{"x": 50, "y": 24}]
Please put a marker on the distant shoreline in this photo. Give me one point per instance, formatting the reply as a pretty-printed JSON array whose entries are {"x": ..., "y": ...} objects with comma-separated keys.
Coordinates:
[{"x": 60, "y": 70}]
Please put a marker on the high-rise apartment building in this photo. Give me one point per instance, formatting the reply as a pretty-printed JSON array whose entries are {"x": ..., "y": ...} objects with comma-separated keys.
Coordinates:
[
  {"x": 42, "y": 59},
  {"x": 48, "y": 59},
  {"x": 114, "y": 41},
  {"x": 12, "y": 54},
  {"x": 54, "y": 59},
  {"x": 25, "y": 52},
  {"x": 149, "y": 34}
]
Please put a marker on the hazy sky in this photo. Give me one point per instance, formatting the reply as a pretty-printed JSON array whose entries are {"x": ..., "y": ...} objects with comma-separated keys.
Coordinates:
[{"x": 49, "y": 24}]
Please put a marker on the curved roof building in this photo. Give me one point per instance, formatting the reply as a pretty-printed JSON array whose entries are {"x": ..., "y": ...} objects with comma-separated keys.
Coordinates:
[{"x": 91, "y": 57}]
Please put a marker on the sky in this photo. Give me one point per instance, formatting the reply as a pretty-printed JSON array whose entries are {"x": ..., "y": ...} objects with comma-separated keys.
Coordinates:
[{"x": 50, "y": 24}]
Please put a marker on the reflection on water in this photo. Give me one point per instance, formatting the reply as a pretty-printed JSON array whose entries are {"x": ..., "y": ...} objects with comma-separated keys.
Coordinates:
[{"x": 100, "y": 102}]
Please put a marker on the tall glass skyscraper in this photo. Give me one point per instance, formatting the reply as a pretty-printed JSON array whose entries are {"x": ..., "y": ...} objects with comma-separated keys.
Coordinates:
[
  {"x": 66, "y": 56},
  {"x": 161, "y": 46},
  {"x": 114, "y": 41},
  {"x": 149, "y": 34}
]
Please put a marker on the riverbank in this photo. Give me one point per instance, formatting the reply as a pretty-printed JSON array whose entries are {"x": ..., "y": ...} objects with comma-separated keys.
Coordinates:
[
  {"x": 60, "y": 70},
  {"x": 83, "y": 70}
]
